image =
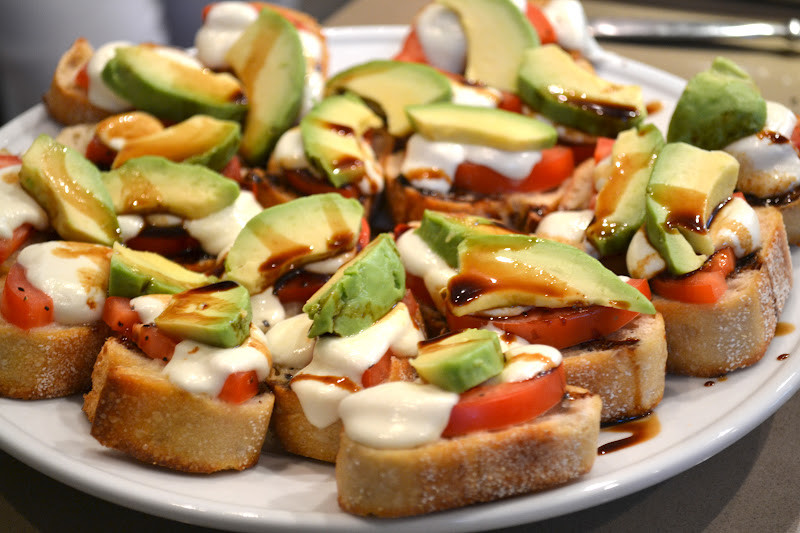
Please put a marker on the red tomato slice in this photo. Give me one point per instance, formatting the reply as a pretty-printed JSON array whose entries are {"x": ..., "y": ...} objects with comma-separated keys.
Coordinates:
[
  {"x": 154, "y": 343},
  {"x": 556, "y": 165},
  {"x": 491, "y": 407},
  {"x": 417, "y": 287},
  {"x": 706, "y": 286},
  {"x": 18, "y": 237},
  {"x": 100, "y": 154},
  {"x": 120, "y": 316},
  {"x": 233, "y": 169},
  {"x": 411, "y": 50},
  {"x": 309, "y": 185},
  {"x": 299, "y": 286},
  {"x": 795, "y": 139},
  {"x": 22, "y": 304},
  {"x": 603, "y": 148},
  {"x": 510, "y": 102},
  {"x": 379, "y": 372},
  {"x": 239, "y": 387},
  {"x": 541, "y": 24},
  {"x": 169, "y": 246},
  {"x": 560, "y": 328},
  {"x": 82, "y": 77},
  {"x": 7, "y": 160},
  {"x": 364, "y": 235}
]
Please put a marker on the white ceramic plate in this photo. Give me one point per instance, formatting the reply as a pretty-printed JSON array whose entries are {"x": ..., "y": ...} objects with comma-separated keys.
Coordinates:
[{"x": 288, "y": 493}]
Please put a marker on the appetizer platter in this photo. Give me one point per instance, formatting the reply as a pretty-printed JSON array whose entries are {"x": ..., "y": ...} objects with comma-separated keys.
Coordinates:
[{"x": 697, "y": 417}]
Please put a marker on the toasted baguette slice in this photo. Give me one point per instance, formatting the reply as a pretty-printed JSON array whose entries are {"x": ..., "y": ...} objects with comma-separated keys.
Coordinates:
[
  {"x": 484, "y": 466},
  {"x": 134, "y": 408},
  {"x": 298, "y": 436},
  {"x": 626, "y": 368},
  {"x": 712, "y": 339},
  {"x": 791, "y": 221},
  {"x": 48, "y": 362},
  {"x": 66, "y": 102}
]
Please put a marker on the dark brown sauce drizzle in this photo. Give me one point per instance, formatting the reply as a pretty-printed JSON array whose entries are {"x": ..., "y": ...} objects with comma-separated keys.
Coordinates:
[
  {"x": 339, "y": 381},
  {"x": 620, "y": 112},
  {"x": 781, "y": 199},
  {"x": 654, "y": 107},
  {"x": 773, "y": 136},
  {"x": 783, "y": 357},
  {"x": 641, "y": 429},
  {"x": 709, "y": 383},
  {"x": 783, "y": 328}
]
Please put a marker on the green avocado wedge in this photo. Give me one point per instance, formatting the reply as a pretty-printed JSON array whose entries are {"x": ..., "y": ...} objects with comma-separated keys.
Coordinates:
[
  {"x": 391, "y": 86},
  {"x": 718, "y": 106},
  {"x": 218, "y": 315},
  {"x": 71, "y": 191},
  {"x": 268, "y": 58},
  {"x": 552, "y": 83},
  {"x": 135, "y": 273},
  {"x": 290, "y": 235},
  {"x": 620, "y": 204},
  {"x": 444, "y": 232},
  {"x": 498, "y": 271},
  {"x": 497, "y": 35},
  {"x": 460, "y": 361},
  {"x": 153, "y": 184},
  {"x": 361, "y": 292},
  {"x": 153, "y": 81}
]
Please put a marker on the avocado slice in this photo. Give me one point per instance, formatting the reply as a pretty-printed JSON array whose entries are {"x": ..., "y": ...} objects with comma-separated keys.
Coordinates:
[
  {"x": 499, "y": 271},
  {"x": 218, "y": 315},
  {"x": 170, "y": 89},
  {"x": 290, "y": 235},
  {"x": 444, "y": 232},
  {"x": 360, "y": 292},
  {"x": 134, "y": 273},
  {"x": 686, "y": 187},
  {"x": 717, "y": 107},
  {"x": 268, "y": 58},
  {"x": 484, "y": 126},
  {"x": 200, "y": 140},
  {"x": 333, "y": 137},
  {"x": 391, "y": 86},
  {"x": 70, "y": 189},
  {"x": 497, "y": 36},
  {"x": 153, "y": 184},
  {"x": 552, "y": 83},
  {"x": 460, "y": 361},
  {"x": 619, "y": 207}
]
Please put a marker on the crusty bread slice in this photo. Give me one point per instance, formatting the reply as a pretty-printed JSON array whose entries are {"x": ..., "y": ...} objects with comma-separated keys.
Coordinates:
[
  {"x": 484, "y": 466},
  {"x": 134, "y": 408},
  {"x": 626, "y": 368},
  {"x": 712, "y": 339},
  {"x": 66, "y": 102},
  {"x": 48, "y": 362},
  {"x": 791, "y": 221},
  {"x": 297, "y": 435}
]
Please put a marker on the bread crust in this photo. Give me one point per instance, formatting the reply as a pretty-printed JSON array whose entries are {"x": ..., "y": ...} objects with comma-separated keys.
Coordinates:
[
  {"x": 134, "y": 408},
  {"x": 791, "y": 221},
  {"x": 626, "y": 368},
  {"x": 65, "y": 101},
  {"x": 48, "y": 362},
  {"x": 484, "y": 466},
  {"x": 709, "y": 340}
]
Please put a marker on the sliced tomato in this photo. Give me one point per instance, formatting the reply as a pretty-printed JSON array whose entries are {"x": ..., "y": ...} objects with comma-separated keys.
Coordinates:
[
  {"x": 22, "y": 304},
  {"x": 98, "y": 153},
  {"x": 308, "y": 185},
  {"x": 795, "y": 139},
  {"x": 364, "y": 235},
  {"x": 417, "y": 287},
  {"x": 233, "y": 169},
  {"x": 556, "y": 165},
  {"x": 8, "y": 160},
  {"x": 120, "y": 316},
  {"x": 706, "y": 286},
  {"x": 82, "y": 77},
  {"x": 299, "y": 286},
  {"x": 510, "y": 102},
  {"x": 603, "y": 148},
  {"x": 18, "y": 237},
  {"x": 541, "y": 24},
  {"x": 411, "y": 50},
  {"x": 492, "y": 407},
  {"x": 562, "y": 327},
  {"x": 239, "y": 387},
  {"x": 379, "y": 372},
  {"x": 153, "y": 342},
  {"x": 166, "y": 245}
]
